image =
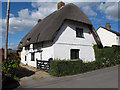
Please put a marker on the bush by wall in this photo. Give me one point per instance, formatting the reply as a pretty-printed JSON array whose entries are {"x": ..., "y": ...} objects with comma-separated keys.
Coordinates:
[
  {"x": 66, "y": 67},
  {"x": 106, "y": 57},
  {"x": 109, "y": 56}
]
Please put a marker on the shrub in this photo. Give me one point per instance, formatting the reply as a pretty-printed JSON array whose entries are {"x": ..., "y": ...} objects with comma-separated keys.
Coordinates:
[
  {"x": 91, "y": 66},
  {"x": 66, "y": 67},
  {"x": 106, "y": 57},
  {"x": 10, "y": 66}
]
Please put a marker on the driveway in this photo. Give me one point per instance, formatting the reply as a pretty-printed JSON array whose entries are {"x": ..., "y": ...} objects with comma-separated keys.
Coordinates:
[{"x": 103, "y": 78}]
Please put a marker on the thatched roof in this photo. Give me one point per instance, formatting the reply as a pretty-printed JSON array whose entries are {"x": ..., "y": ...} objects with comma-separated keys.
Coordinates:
[{"x": 47, "y": 28}]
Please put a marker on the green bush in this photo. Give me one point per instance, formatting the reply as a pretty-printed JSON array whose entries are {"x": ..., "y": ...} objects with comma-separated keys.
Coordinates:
[
  {"x": 91, "y": 66},
  {"x": 66, "y": 67},
  {"x": 106, "y": 57},
  {"x": 110, "y": 56},
  {"x": 10, "y": 66}
]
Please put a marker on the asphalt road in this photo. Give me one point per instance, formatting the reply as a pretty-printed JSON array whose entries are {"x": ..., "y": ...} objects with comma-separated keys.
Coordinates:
[
  {"x": 0, "y": 77},
  {"x": 103, "y": 78}
]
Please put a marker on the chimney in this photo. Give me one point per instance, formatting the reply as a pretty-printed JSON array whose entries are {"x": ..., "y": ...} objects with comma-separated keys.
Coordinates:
[
  {"x": 60, "y": 4},
  {"x": 108, "y": 26},
  {"x": 39, "y": 20}
]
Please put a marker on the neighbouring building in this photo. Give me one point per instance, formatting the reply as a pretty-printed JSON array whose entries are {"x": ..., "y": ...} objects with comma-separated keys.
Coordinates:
[
  {"x": 19, "y": 53},
  {"x": 107, "y": 36},
  {"x": 67, "y": 33},
  {"x": 10, "y": 53}
]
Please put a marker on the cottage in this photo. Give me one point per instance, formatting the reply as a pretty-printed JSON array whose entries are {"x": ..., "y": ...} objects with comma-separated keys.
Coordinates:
[
  {"x": 67, "y": 33},
  {"x": 107, "y": 36}
]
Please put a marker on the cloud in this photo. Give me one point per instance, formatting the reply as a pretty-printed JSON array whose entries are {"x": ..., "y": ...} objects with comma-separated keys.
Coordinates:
[
  {"x": 43, "y": 9},
  {"x": 11, "y": 15},
  {"x": 88, "y": 11},
  {"x": 10, "y": 45},
  {"x": 27, "y": 19},
  {"x": 0, "y": 36},
  {"x": 110, "y": 9},
  {"x": 3, "y": 28}
]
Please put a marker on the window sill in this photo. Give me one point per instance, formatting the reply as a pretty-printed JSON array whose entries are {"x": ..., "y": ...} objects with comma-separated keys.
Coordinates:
[{"x": 79, "y": 37}]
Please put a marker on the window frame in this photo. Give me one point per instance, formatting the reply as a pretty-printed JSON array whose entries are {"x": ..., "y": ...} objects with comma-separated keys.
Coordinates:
[
  {"x": 33, "y": 56},
  {"x": 74, "y": 52},
  {"x": 25, "y": 58},
  {"x": 79, "y": 32},
  {"x": 27, "y": 47}
]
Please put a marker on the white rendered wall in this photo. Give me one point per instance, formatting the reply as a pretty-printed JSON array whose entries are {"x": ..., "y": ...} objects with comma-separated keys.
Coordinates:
[
  {"x": 23, "y": 53},
  {"x": 63, "y": 52},
  {"x": 44, "y": 55},
  {"x": 27, "y": 53},
  {"x": 66, "y": 40},
  {"x": 108, "y": 38},
  {"x": 47, "y": 53},
  {"x": 63, "y": 43},
  {"x": 118, "y": 40}
]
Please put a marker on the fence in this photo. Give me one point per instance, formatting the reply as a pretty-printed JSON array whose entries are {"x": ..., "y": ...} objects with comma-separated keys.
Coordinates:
[{"x": 43, "y": 65}]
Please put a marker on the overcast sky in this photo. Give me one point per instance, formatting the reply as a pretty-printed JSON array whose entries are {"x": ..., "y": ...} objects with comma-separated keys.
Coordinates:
[{"x": 24, "y": 16}]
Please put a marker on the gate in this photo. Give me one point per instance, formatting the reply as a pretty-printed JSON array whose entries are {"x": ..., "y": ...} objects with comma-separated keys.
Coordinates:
[{"x": 43, "y": 65}]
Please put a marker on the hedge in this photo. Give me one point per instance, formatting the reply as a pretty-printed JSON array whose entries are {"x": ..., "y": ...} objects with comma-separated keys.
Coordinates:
[
  {"x": 106, "y": 57},
  {"x": 66, "y": 67},
  {"x": 69, "y": 67},
  {"x": 110, "y": 56}
]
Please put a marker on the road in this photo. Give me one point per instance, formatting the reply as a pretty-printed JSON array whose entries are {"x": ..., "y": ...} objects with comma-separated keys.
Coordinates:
[
  {"x": 0, "y": 77},
  {"x": 103, "y": 78}
]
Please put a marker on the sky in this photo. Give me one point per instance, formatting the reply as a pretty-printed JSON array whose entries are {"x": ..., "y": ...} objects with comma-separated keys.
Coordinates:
[{"x": 24, "y": 16}]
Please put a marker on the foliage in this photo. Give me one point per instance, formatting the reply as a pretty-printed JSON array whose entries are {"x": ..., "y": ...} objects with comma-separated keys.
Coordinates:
[
  {"x": 106, "y": 57},
  {"x": 66, "y": 67},
  {"x": 9, "y": 67},
  {"x": 107, "y": 52}
]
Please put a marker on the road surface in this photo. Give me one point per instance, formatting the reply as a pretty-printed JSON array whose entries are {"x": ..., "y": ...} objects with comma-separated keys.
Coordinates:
[
  {"x": 103, "y": 78},
  {"x": 0, "y": 76}
]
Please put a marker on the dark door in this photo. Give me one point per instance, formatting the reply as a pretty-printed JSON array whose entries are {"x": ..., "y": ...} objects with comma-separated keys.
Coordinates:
[
  {"x": 74, "y": 53},
  {"x": 25, "y": 58},
  {"x": 32, "y": 56}
]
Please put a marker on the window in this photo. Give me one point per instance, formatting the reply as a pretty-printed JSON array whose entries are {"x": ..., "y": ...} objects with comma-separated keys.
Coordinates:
[
  {"x": 28, "y": 40},
  {"x": 21, "y": 43},
  {"x": 27, "y": 47},
  {"x": 25, "y": 58},
  {"x": 32, "y": 57},
  {"x": 79, "y": 32},
  {"x": 74, "y": 53}
]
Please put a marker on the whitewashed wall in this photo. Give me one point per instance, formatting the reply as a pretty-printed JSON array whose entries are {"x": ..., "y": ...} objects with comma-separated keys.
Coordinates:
[
  {"x": 66, "y": 40},
  {"x": 63, "y": 43},
  {"x": 63, "y": 52},
  {"x": 108, "y": 38},
  {"x": 118, "y": 40},
  {"x": 23, "y": 53},
  {"x": 46, "y": 53}
]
